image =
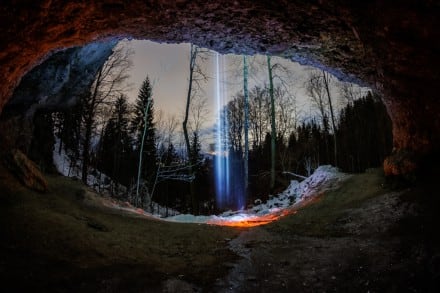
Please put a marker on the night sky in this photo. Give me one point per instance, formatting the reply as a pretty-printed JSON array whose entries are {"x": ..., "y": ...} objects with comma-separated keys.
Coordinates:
[{"x": 167, "y": 66}]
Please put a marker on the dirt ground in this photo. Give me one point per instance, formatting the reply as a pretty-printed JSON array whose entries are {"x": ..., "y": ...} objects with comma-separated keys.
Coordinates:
[{"x": 361, "y": 237}]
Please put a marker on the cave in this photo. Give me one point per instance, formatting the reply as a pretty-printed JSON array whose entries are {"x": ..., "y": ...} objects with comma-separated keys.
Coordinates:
[{"x": 390, "y": 48}]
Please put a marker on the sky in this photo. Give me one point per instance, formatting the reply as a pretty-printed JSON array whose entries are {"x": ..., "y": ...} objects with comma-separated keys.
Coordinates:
[{"x": 167, "y": 66}]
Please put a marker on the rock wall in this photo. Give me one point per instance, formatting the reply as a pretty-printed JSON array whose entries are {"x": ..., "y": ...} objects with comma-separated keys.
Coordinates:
[
  {"x": 55, "y": 83},
  {"x": 391, "y": 46},
  {"x": 60, "y": 80}
]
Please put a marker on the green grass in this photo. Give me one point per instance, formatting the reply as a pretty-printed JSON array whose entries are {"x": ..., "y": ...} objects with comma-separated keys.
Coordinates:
[
  {"x": 55, "y": 240},
  {"x": 56, "y": 233},
  {"x": 320, "y": 217}
]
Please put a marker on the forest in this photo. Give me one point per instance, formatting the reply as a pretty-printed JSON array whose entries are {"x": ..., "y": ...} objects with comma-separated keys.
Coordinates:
[{"x": 131, "y": 152}]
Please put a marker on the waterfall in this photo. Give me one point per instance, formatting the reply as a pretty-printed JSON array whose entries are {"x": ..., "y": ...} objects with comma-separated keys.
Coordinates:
[{"x": 222, "y": 169}]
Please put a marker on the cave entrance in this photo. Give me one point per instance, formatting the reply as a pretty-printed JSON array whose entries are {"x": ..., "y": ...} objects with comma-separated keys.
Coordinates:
[{"x": 89, "y": 104}]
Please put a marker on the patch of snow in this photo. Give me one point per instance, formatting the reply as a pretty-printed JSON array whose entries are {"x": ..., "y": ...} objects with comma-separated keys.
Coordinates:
[
  {"x": 324, "y": 178},
  {"x": 103, "y": 184},
  {"x": 62, "y": 161},
  {"x": 188, "y": 218}
]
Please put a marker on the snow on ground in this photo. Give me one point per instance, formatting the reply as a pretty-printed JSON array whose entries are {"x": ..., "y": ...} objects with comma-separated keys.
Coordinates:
[
  {"x": 102, "y": 184},
  {"x": 62, "y": 161},
  {"x": 67, "y": 168},
  {"x": 298, "y": 193}
]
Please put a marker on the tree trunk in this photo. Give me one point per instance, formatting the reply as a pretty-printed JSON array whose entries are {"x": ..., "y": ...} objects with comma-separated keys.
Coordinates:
[
  {"x": 86, "y": 150},
  {"x": 193, "y": 56},
  {"x": 89, "y": 124},
  {"x": 246, "y": 125},
  {"x": 332, "y": 115},
  {"x": 192, "y": 63},
  {"x": 273, "y": 129},
  {"x": 141, "y": 151}
]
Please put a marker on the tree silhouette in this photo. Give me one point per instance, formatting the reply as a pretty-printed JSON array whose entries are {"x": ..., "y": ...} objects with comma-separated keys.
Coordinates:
[{"x": 144, "y": 130}]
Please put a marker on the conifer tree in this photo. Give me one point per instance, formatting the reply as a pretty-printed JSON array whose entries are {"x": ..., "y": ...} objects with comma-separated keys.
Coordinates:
[
  {"x": 109, "y": 83},
  {"x": 195, "y": 154},
  {"x": 171, "y": 156},
  {"x": 116, "y": 143},
  {"x": 144, "y": 130}
]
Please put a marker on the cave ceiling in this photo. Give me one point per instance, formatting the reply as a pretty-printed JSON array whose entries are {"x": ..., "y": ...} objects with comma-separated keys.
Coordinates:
[{"x": 389, "y": 46}]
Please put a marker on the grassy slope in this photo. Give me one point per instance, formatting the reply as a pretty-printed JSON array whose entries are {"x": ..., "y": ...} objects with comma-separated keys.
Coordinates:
[
  {"x": 320, "y": 218},
  {"x": 53, "y": 240},
  {"x": 353, "y": 238},
  {"x": 361, "y": 237}
]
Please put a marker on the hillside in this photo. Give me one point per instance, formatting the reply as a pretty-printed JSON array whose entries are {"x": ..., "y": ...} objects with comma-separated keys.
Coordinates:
[{"x": 362, "y": 236}]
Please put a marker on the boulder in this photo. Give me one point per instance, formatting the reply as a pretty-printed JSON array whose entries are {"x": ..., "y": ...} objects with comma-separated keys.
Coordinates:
[{"x": 26, "y": 171}]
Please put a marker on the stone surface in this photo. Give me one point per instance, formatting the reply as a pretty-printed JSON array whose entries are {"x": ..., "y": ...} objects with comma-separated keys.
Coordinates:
[
  {"x": 59, "y": 81},
  {"x": 393, "y": 47},
  {"x": 26, "y": 171},
  {"x": 401, "y": 162}
]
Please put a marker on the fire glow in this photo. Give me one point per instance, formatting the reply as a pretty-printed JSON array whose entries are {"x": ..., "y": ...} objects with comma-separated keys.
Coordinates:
[{"x": 250, "y": 220}]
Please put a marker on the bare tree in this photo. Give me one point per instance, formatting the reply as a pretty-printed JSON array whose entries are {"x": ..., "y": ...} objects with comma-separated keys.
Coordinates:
[
  {"x": 326, "y": 79},
  {"x": 166, "y": 128},
  {"x": 316, "y": 91},
  {"x": 200, "y": 112},
  {"x": 273, "y": 126},
  {"x": 161, "y": 132},
  {"x": 350, "y": 92},
  {"x": 286, "y": 111},
  {"x": 234, "y": 115},
  {"x": 279, "y": 76},
  {"x": 196, "y": 75},
  {"x": 258, "y": 114},
  {"x": 286, "y": 120},
  {"x": 165, "y": 132},
  {"x": 318, "y": 88},
  {"x": 109, "y": 84}
]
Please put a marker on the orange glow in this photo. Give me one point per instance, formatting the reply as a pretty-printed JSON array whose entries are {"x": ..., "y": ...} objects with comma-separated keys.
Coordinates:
[{"x": 252, "y": 220}]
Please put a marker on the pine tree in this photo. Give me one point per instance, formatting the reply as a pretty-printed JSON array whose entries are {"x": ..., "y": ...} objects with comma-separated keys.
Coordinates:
[
  {"x": 196, "y": 158},
  {"x": 109, "y": 82},
  {"x": 69, "y": 133},
  {"x": 116, "y": 144},
  {"x": 365, "y": 132},
  {"x": 171, "y": 157},
  {"x": 143, "y": 121},
  {"x": 41, "y": 147},
  {"x": 195, "y": 154}
]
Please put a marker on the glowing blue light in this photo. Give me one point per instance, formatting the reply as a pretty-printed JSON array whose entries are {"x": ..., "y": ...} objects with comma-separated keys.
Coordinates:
[
  {"x": 223, "y": 195},
  {"x": 228, "y": 167}
]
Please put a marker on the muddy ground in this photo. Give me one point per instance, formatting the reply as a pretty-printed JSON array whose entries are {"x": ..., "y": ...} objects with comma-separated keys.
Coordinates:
[{"x": 362, "y": 237}]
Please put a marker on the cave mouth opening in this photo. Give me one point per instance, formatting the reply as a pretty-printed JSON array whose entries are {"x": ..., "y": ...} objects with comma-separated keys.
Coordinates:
[{"x": 303, "y": 128}]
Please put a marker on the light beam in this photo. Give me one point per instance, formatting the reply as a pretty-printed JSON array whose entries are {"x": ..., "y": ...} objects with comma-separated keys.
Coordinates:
[{"x": 222, "y": 172}]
